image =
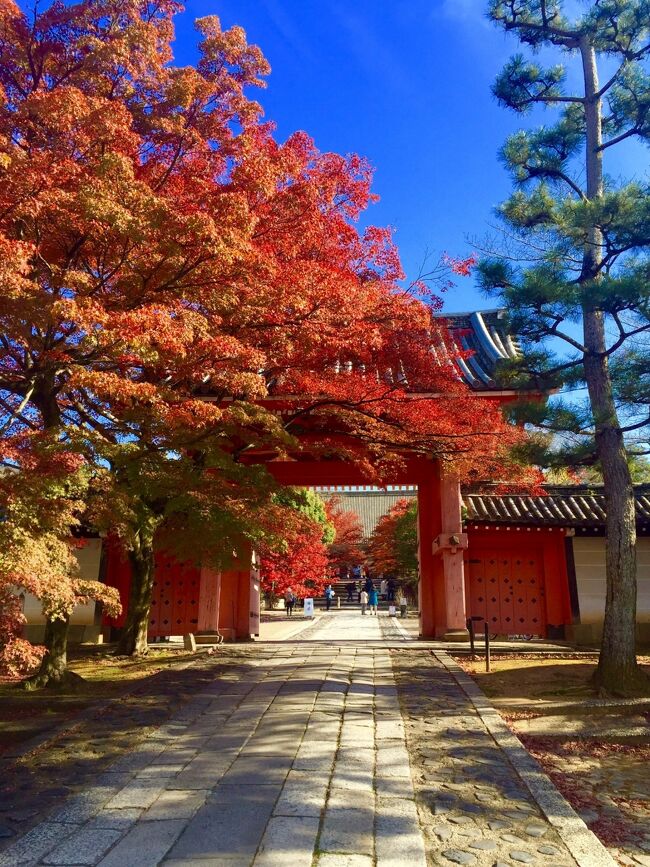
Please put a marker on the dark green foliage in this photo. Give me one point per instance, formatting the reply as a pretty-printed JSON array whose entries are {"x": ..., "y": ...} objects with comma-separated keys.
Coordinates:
[
  {"x": 522, "y": 84},
  {"x": 307, "y": 502},
  {"x": 406, "y": 541},
  {"x": 573, "y": 271},
  {"x": 550, "y": 220}
]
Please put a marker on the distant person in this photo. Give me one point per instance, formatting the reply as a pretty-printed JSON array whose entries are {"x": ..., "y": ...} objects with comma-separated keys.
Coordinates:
[
  {"x": 403, "y": 605},
  {"x": 289, "y": 600},
  {"x": 351, "y": 589},
  {"x": 368, "y": 585},
  {"x": 363, "y": 598},
  {"x": 383, "y": 588},
  {"x": 373, "y": 600},
  {"x": 390, "y": 587},
  {"x": 329, "y": 595}
]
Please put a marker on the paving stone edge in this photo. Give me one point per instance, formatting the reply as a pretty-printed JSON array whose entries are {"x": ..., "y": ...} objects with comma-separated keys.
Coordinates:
[
  {"x": 406, "y": 635},
  {"x": 302, "y": 626},
  {"x": 582, "y": 843}
]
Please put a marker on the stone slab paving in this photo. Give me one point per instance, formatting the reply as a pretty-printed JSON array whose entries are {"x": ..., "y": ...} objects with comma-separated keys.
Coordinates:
[
  {"x": 35, "y": 777},
  {"x": 297, "y": 759},
  {"x": 302, "y": 758}
]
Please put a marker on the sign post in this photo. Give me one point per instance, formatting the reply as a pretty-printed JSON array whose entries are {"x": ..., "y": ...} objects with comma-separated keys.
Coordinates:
[{"x": 309, "y": 607}]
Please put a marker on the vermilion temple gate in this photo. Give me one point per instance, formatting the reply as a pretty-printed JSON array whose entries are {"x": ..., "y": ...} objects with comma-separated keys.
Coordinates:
[
  {"x": 203, "y": 600},
  {"x": 441, "y": 540},
  {"x": 193, "y": 599}
]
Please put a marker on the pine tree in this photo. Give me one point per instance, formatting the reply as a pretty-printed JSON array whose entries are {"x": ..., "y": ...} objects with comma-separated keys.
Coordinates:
[{"x": 573, "y": 267}]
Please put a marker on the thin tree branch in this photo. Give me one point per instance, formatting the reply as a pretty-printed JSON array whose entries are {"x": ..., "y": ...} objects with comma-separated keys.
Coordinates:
[
  {"x": 618, "y": 138},
  {"x": 18, "y": 411},
  {"x": 24, "y": 420},
  {"x": 637, "y": 426}
]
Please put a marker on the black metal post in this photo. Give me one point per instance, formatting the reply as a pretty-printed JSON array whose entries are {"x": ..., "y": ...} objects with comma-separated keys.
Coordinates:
[
  {"x": 487, "y": 648},
  {"x": 470, "y": 629}
]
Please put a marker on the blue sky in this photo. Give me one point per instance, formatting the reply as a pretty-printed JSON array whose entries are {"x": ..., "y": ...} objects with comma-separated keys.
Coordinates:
[{"x": 405, "y": 83}]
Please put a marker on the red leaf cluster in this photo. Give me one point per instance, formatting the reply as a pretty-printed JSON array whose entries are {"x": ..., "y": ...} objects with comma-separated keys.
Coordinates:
[
  {"x": 302, "y": 566},
  {"x": 384, "y": 549},
  {"x": 346, "y": 550}
]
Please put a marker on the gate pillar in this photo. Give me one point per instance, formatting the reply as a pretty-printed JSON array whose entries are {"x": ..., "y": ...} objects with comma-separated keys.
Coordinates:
[
  {"x": 441, "y": 542},
  {"x": 429, "y": 588},
  {"x": 239, "y": 604},
  {"x": 209, "y": 603},
  {"x": 449, "y": 547}
]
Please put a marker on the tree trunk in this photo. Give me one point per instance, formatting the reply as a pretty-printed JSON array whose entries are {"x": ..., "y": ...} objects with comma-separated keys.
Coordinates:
[
  {"x": 53, "y": 670},
  {"x": 54, "y": 667},
  {"x": 618, "y": 671},
  {"x": 133, "y": 641}
]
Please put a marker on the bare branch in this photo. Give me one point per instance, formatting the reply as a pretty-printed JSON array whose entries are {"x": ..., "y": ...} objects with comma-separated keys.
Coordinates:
[
  {"x": 21, "y": 417},
  {"x": 623, "y": 334},
  {"x": 637, "y": 426},
  {"x": 18, "y": 411}
]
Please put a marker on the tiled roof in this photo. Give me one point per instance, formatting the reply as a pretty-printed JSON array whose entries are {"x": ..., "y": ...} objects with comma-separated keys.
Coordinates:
[
  {"x": 480, "y": 337},
  {"x": 481, "y": 340},
  {"x": 483, "y": 334},
  {"x": 561, "y": 507},
  {"x": 567, "y": 507}
]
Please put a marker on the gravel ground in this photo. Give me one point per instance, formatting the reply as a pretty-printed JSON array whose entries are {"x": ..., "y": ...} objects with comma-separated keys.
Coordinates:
[{"x": 473, "y": 807}]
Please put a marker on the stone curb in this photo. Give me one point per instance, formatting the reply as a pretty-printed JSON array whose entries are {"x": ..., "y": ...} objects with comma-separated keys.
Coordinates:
[
  {"x": 42, "y": 741},
  {"x": 582, "y": 843},
  {"x": 404, "y": 632},
  {"x": 301, "y": 626}
]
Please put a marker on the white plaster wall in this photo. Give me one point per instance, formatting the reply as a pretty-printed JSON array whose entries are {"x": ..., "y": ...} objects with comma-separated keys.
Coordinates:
[
  {"x": 83, "y": 615},
  {"x": 589, "y": 555}
]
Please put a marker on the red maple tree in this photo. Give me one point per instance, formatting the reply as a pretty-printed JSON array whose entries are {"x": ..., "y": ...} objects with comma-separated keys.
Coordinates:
[
  {"x": 302, "y": 564},
  {"x": 392, "y": 548},
  {"x": 168, "y": 268},
  {"x": 346, "y": 550}
]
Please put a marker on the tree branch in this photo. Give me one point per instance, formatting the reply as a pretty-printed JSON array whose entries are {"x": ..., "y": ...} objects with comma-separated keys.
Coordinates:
[
  {"x": 18, "y": 411},
  {"x": 563, "y": 336},
  {"x": 569, "y": 38},
  {"x": 637, "y": 426},
  {"x": 623, "y": 334},
  {"x": 618, "y": 138},
  {"x": 24, "y": 420}
]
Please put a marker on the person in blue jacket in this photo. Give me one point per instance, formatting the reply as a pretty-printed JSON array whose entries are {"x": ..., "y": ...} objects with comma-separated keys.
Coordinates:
[
  {"x": 329, "y": 595},
  {"x": 373, "y": 600}
]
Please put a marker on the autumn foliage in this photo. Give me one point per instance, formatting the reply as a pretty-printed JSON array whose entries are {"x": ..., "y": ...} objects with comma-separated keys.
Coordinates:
[
  {"x": 17, "y": 656},
  {"x": 300, "y": 561},
  {"x": 346, "y": 550},
  {"x": 41, "y": 500},
  {"x": 393, "y": 545},
  {"x": 301, "y": 564},
  {"x": 171, "y": 274}
]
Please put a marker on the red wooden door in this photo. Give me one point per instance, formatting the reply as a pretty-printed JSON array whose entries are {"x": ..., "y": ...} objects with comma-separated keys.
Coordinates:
[
  {"x": 528, "y": 594},
  {"x": 175, "y": 600},
  {"x": 175, "y": 597},
  {"x": 506, "y": 589}
]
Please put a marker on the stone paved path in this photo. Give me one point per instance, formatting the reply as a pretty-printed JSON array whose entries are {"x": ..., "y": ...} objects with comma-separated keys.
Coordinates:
[
  {"x": 300, "y": 758},
  {"x": 474, "y": 808}
]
